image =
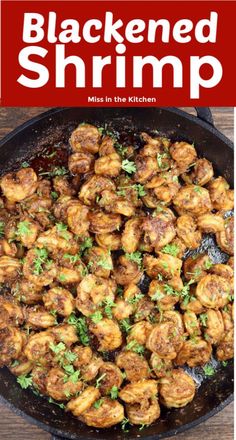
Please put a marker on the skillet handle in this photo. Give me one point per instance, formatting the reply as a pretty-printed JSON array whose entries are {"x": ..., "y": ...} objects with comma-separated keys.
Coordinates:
[{"x": 205, "y": 114}]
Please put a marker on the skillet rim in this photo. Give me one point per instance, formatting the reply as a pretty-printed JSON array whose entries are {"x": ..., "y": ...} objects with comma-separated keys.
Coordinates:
[{"x": 57, "y": 432}]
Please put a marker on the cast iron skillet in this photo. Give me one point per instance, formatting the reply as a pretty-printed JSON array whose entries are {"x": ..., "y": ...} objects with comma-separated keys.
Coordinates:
[{"x": 53, "y": 126}]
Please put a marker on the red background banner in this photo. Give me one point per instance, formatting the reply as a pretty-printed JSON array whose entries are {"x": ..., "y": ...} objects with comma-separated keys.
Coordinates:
[{"x": 15, "y": 94}]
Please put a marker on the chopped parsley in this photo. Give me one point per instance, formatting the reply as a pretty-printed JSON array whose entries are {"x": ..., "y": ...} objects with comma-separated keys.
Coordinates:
[
  {"x": 62, "y": 231},
  {"x": 54, "y": 195},
  {"x": 57, "y": 348},
  {"x": 114, "y": 392},
  {"x": 98, "y": 403},
  {"x": 208, "y": 370},
  {"x": 40, "y": 260},
  {"x": 171, "y": 249},
  {"x": 24, "y": 381},
  {"x": 96, "y": 316},
  {"x": 72, "y": 258},
  {"x": 125, "y": 325},
  {"x": 128, "y": 166},
  {"x": 140, "y": 189},
  {"x": 157, "y": 296},
  {"x": 203, "y": 319},
  {"x": 109, "y": 304},
  {"x": 198, "y": 189},
  {"x": 224, "y": 363},
  {"x": 135, "y": 298},
  {"x": 208, "y": 264},
  {"x": 81, "y": 327},
  {"x": 124, "y": 424},
  {"x": 61, "y": 405},
  {"x": 160, "y": 157},
  {"x": 25, "y": 164},
  {"x": 136, "y": 257},
  {"x": 86, "y": 244},
  {"x": 23, "y": 228},
  {"x": 135, "y": 346},
  {"x": 105, "y": 264},
  {"x": 72, "y": 375},
  {"x": 99, "y": 380}
]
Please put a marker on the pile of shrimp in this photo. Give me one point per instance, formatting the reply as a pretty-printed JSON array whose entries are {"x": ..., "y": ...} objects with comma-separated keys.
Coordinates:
[{"x": 74, "y": 249}]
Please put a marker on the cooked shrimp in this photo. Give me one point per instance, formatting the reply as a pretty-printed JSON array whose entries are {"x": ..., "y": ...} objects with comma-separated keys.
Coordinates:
[
  {"x": 84, "y": 401},
  {"x": 131, "y": 235},
  {"x": 103, "y": 223},
  {"x": 108, "y": 414},
  {"x": 77, "y": 218},
  {"x": 108, "y": 334},
  {"x": 9, "y": 269},
  {"x": 135, "y": 366},
  {"x": 109, "y": 165},
  {"x": 195, "y": 351},
  {"x": 80, "y": 162},
  {"x": 192, "y": 200},
  {"x": 85, "y": 138},
  {"x": 187, "y": 231},
  {"x": 225, "y": 238},
  {"x": 59, "y": 300},
  {"x": 165, "y": 340},
  {"x": 177, "y": 390},
  {"x": 213, "y": 291},
  {"x": 93, "y": 188},
  {"x": 201, "y": 174},
  {"x": 20, "y": 185},
  {"x": 184, "y": 154},
  {"x": 92, "y": 291},
  {"x": 60, "y": 387}
]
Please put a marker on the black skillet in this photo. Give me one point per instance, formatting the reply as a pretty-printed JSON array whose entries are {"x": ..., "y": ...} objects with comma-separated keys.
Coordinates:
[{"x": 54, "y": 126}]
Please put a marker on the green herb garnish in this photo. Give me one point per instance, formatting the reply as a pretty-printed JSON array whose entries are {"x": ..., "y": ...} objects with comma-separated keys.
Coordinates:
[
  {"x": 24, "y": 381},
  {"x": 128, "y": 166}
]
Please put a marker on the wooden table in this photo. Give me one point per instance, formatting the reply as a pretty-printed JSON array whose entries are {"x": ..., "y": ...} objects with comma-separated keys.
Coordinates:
[{"x": 13, "y": 427}]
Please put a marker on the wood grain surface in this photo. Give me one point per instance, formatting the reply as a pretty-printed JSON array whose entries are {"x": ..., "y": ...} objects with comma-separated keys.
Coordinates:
[{"x": 13, "y": 427}]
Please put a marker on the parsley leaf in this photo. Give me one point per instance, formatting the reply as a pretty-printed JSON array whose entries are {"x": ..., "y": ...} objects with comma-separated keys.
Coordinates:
[
  {"x": 208, "y": 370},
  {"x": 208, "y": 264},
  {"x": 157, "y": 296},
  {"x": 81, "y": 327},
  {"x": 99, "y": 380},
  {"x": 135, "y": 346},
  {"x": 128, "y": 166},
  {"x": 40, "y": 260},
  {"x": 98, "y": 403},
  {"x": 72, "y": 258},
  {"x": 124, "y": 424},
  {"x": 61, "y": 405},
  {"x": 171, "y": 249},
  {"x": 86, "y": 244},
  {"x": 25, "y": 164},
  {"x": 114, "y": 392},
  {"x": 198, "y": 189},
  {"x": 135, "y": 298},
  {"x": 125, "y": 325},
  {"x": 57, "y": 348},
  {"x": 105, "y": 264},
  {"x": 24, "y": 381},
  {"x": 203, "y": 319},
  {"x": 96, "y": 316},
  {"x": 23, "y": 228},
  {"x": 136, "y": 257},
  {"x": 62, "y": 231}
]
